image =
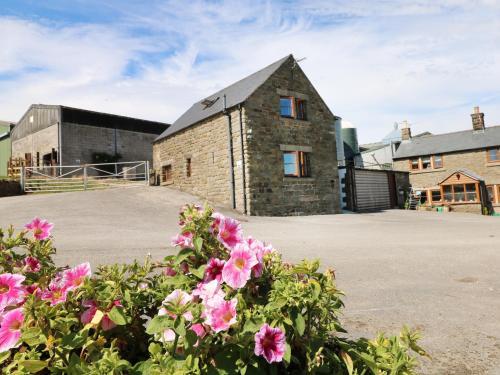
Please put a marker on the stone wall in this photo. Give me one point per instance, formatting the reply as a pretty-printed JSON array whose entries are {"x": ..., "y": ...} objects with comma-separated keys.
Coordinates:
[
  {"x": 206, "y": 144},
  {"x": 81, "y": 141},
  {"x": 271, "y": 193}
]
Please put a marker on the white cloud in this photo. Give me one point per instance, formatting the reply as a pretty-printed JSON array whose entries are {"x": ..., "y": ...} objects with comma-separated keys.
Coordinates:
[{"x": 425, "y": 61}]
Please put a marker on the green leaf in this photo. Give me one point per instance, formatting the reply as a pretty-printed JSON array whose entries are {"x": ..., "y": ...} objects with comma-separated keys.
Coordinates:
[
  {"x": 33, "y": 365},
  {"x": 288, "y": 353},
  {"x": 183, "y": 254},
  {"x": 191, "y": 338},
  {"x": 4, "y": 356},
  {"x": 199, "y": 272},
  {"x": 33, "y": 336},
  {"x": 154, "y": 348},
  {"x": 198, "y": 243},
  {"x": 159, "y": 323},
  {"x": 348, "y": 362},
  {"x": 179, "y": 326},
  {"x": 118, "y": 316},
  {"x": 300, "y": 324},
  {"x": 251, "y": 326}
]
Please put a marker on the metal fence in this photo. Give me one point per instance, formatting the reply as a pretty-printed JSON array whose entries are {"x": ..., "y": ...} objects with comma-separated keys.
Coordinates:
[{"x": 63, "y": 178}]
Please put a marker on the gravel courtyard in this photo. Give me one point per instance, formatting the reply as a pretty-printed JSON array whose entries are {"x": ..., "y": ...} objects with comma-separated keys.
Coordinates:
[{"x": 437, "y": 272}]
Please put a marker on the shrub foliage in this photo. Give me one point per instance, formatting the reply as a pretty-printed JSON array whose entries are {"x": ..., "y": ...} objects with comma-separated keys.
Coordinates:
[{"x": 224, "y": 304}]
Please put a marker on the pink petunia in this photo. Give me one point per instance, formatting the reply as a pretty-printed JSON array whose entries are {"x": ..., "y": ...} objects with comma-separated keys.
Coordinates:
[
  {"x": 183, "y": 240},
  {"x": 41, "y": 228},
  {"x": 56, "y": 292},
  {"x": 179, "y": 298},
  {"x": 230, "y": 233},
  {"x": 210, "y": 293},
  {"x": 169, "y": 271},
  {"x": 238, "y": 268},
  {"x": 88, "y": 315},
  {"x": 222, "y": 316},
  {"x": 270, "y": 343},
  {"x": 214, "y": 270},
  {"x": 260, "y": 250},
  {"x": 31, "y": 264},
  {"x": 10, "y": 329},
  {"x": 218, "y": 218},
  {"x": 11, "y": 289},
  {"x": 75, "y": 277}
]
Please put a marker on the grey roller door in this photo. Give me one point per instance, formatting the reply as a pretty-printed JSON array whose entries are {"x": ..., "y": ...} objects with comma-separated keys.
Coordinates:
[{"x": 372, "y": 190}]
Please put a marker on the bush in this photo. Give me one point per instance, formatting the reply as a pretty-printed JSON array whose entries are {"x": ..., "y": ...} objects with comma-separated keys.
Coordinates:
[{"x": 223, "y": 305}]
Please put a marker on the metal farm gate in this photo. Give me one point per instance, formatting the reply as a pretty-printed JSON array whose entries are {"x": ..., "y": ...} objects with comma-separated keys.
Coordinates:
[
  {"x": 370, "y": 189},
  {"x": 54, "y": 179}
]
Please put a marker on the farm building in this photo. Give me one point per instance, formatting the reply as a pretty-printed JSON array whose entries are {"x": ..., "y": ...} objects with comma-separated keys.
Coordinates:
[
  {"x": 59, "y": 135},
  {"x": 264, "y": 145},
  {"x": 5, "y": 128}
]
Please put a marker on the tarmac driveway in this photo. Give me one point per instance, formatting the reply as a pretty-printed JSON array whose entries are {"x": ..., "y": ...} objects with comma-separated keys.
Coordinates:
[{"x": 437, "y": 272}]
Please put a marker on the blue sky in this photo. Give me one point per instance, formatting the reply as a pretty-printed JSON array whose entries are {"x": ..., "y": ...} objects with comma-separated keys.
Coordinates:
[{"x": 373, "y": 62}]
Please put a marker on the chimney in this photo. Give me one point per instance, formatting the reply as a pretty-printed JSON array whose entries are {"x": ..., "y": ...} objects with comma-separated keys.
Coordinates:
[
  {"x": 405, "y": 131},
  {"x": 477, "y": 120}
]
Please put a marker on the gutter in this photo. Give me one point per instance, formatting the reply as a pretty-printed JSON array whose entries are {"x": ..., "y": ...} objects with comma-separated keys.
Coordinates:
[
  {"x": 230, "y": 153},
  {"x": 243, "y": 161}
]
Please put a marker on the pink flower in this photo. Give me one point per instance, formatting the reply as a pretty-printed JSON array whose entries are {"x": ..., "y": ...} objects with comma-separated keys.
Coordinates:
[
  {"x": 210, "y": 293},
  {"x": 10, "y": 329},
  {"x": 107, "y": 323},
  {"x": 270, "y": 343},
  {"x": 178, "y": 298},
  {"x": 41, "y": 228},
  {"x": 229, "y": 233},
  {"x": 218, "y": 218},
  {"x": 260, "y": 251},
  {"x": 88, "y": 315},
  {"x": 11, "y": 289},
  {"x": 56, "y": 293},
  {"x": 169, "y": 271},
  {"x": 75, "y": 277},
  {"x": 214, "y": 270},
  {"x": 238, "y": 268},
  {"x": 183, "y": 240},
  {"x": 199, "y": 329},
  {"x": 31, "y": 264},
  {"x": 221, "y": 317}
]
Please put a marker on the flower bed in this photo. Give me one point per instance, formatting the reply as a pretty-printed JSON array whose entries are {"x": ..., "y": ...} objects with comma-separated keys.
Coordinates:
[{"x": 224, "y": 304}]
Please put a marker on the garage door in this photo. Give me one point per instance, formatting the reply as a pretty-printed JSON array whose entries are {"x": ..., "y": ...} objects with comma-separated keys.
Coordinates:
[{"x": 372, "y": 190}]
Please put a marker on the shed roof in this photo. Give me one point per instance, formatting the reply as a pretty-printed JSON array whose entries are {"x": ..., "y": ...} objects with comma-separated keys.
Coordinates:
[
  {"x": 235, "y": 94},
  {"x": 449, "y": 142}
]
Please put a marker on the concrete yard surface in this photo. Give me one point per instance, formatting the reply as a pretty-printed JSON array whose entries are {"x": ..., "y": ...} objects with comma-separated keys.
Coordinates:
[{"x": 439, "y": 273}]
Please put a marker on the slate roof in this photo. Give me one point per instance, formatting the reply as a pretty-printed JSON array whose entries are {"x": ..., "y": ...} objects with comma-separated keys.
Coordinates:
[
  {"x": 449, "y": 142},
  {"x": 236, "y": 94}
]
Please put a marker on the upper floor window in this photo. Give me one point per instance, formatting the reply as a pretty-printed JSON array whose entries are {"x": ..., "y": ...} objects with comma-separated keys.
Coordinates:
[
  {"x": 297, "y": 164},
  {"x": 494, "y": 154},
  {"x": 426, "y": 162},
  {"x": 293, "y": 107},
  {"x": 286, "y": 107},
  {"x": 437, "y": 161}
]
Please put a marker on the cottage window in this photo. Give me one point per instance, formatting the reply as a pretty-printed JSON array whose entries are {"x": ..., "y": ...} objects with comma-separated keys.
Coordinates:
[
  {"x": 436, "y": 195},
  {"x": 494, "y": 154},
  {"x": 286, "y": 106},
  {"x": 301, "y": 109},
  {"x": 426, "y": 162},
  {"x": 447, "y": 193},
  {"x": 438, "y": 161},
  {"x": 188, "y": 167},
  {"x": 491, "y": 193},
  {"x": 296, "y": 164},
  {"x": 460, "y": 193},
  {"x": 470, "y": 193},
  {"x": 166, "y": 173},
  {"x": 415, "y": 164}
]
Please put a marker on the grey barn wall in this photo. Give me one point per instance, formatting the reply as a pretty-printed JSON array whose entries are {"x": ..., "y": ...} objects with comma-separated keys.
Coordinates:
[
  {"x": 42, "y": 141},
  {"x": 79, "y": 142}
]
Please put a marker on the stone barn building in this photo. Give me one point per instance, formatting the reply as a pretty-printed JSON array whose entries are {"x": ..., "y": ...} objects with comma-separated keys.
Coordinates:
[
  {"x": 59, "y": 135},
  {"x": 264, "y": 145}
]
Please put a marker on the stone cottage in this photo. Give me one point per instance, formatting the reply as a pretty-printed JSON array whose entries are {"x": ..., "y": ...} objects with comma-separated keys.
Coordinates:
[
  {"x": 264, "y": 145},
  {"x": 460, "y": 170}
]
